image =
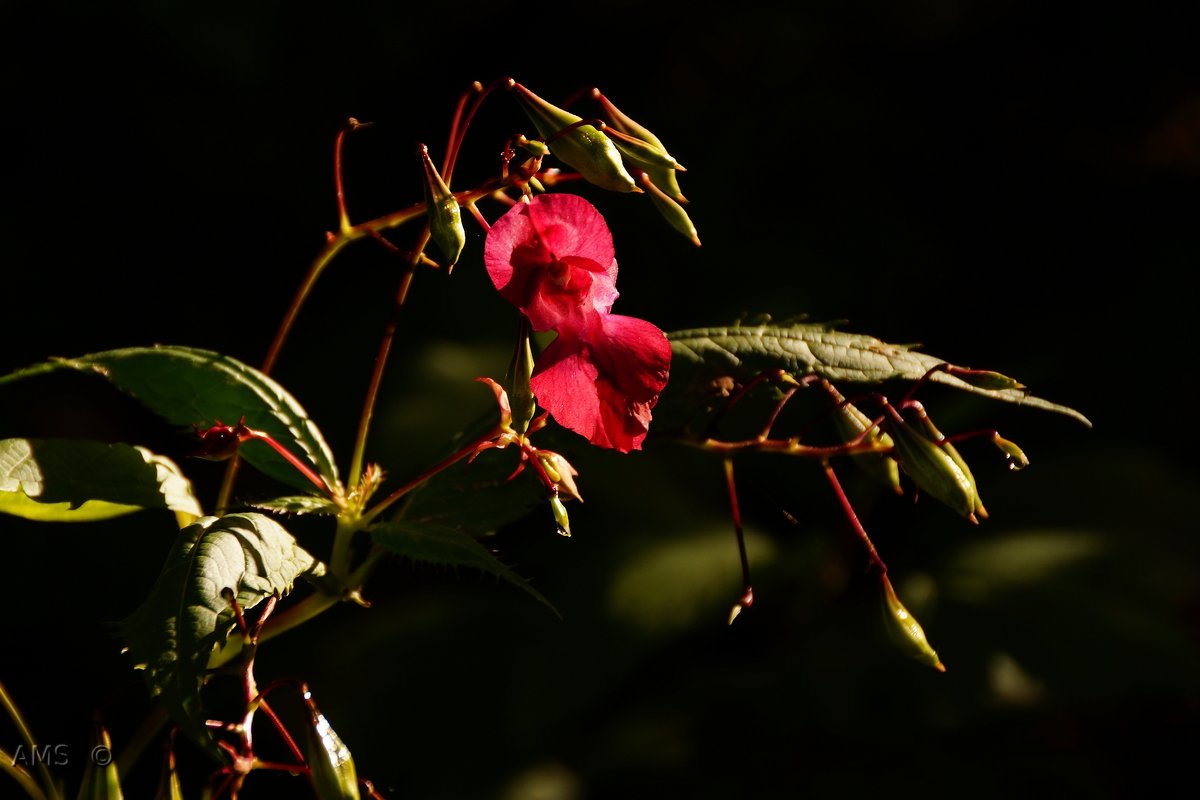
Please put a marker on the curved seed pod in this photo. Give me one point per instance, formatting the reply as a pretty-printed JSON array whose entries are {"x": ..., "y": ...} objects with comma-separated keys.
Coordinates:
[
  {"x": 584, "y": 147},
  {"x": 936, "y": 436},
  {"x": 1014, "y": 455},
  {"x": 445, "y": 217},
  {"x": 331, "y": 767},
  {"x": 663, "y": 173},
  {"x": 520, "y": 394},
  {"x": 560, "y": 515},
  {"x": 932, "y": 468},
  {"x": 672, "y": 212},
  {"x": 851, "y": 423},
  {"x": 905, "y": 630}
]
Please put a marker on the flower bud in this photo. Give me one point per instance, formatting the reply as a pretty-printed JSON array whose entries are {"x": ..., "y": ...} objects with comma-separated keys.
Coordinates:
[
  {"x": 561, "y": 473},
  {"x": 520, "y": 393},
  {"x": 583, "y": 147},
  {"x": 560, "y": 515},
  {"x": 648, "y": 154},
  {"x": 1014, "y": 455},
  {"x": 851, "y": 424},
  {"x": 904, "y": 629},
  {"x": 935, "y": 466},
  {"x": 331, "y": 767},
  {"x": 671, "y": 211},
  {"x": 445, "y": 217}
]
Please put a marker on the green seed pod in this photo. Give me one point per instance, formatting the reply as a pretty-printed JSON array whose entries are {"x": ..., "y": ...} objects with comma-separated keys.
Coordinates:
[
  {"x": 671, "y": 211},
  {"x": 851, "y": 423},
  {"x": 985, "y": 379},
  {"x": 585, "y": 148},
  {"x": 904, "y": 629},
  {"x": 662, "y": 168},
  {"x": 445, "y": 217},
  {"x": 520, "y": 393},
  {"x": 100, "y": 778},
  {"x": 933, "y": 468},
  {"x": 331, "y": 767}
]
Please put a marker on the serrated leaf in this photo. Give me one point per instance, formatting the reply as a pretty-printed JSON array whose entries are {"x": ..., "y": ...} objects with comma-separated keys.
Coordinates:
[
  {"x": 175, "y": 631},
  {"x": 299, "y": 504},
  {"x": 703, "y": 354},
  {"x": 73, "y": 480},
  {"x": 186, "y": 385},
  {"x": 439, "y": 544}
]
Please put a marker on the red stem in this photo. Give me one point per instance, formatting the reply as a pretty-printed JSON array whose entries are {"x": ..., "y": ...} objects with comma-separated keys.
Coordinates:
[{"x": 872, "y": 553}]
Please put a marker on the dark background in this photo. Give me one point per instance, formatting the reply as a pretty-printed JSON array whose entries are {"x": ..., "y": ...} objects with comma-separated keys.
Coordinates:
[{"x": 1014, "y": 187}]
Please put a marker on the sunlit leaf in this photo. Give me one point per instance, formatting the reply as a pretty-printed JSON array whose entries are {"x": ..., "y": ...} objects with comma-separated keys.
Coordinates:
[
  {"x": 703, "y": 355},
  {"x": 299, "y": 504},
  {"x": 188, "y": 386},
  {"x": 185, "y": 618},
  {"x": 72, "y": 480}
]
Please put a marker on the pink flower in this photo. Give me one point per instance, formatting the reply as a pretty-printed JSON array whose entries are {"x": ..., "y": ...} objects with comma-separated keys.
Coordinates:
[{"x": 553, "y": 258}]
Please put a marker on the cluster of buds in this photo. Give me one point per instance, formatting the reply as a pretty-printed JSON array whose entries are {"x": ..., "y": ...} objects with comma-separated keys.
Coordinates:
[{"x": 618, "y": 154}]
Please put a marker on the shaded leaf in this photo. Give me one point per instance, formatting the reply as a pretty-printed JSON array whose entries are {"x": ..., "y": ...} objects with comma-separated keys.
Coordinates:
[
  {"x": 73, "y": 480},
  {"x": 185, "y": 386},
  {"x": 185, "y": 618},
  {"x": 439, "y": 544},
  {"x": 703, "y": 355}
]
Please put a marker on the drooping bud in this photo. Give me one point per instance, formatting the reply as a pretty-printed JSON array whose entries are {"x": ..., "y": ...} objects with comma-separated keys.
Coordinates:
[
  {"x": 904, "y": 629},
  {"x": 934, "y": 466},
  {"x": 1014, "y": 455},
  {"x": 520, "y": 372},
  {"x": 560, "y": 515},
  {"x": 851, "y": 424},
  {"x": 445, "y": 216},
  {"x": 671, "y": 211},
  {"x": 647, "y": 153},
  {"x": 581, "y": 146},
  {"x": 331, "y": 767}
]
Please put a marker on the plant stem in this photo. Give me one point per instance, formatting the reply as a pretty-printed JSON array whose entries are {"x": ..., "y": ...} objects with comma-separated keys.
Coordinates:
[
  {"x": 872, "y": 553},
  {"x": 385, "y": 346},
  {"x": 8, "y": 764},
  {"x": 26, "y": 734}
]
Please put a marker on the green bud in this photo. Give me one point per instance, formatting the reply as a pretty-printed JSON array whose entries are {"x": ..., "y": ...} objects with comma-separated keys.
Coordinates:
[
  {"x": 1014, "y": 455},
  {"x": 560, "y": 515},
  {"x": 560, "y": 471},
  {"x": 331, "y": 767},
  {"x": 520, "y": 371},
  {"x": 904, "y": 629},
  {"x": 647, "y": 153},
  {"x": 671, "y": 211},
  {"x": 935, "y": 467},
  {"x": 445, "y": 217},
  {"x": 985, "y": 379},
  {"x": 100, "y": 778},
  {"x": 584, "y": 147},
  {"x": 851, "y": 423}
]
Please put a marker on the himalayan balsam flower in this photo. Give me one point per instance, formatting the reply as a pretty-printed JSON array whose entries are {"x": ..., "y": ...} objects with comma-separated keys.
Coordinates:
[{"x": 553, "y": 258}]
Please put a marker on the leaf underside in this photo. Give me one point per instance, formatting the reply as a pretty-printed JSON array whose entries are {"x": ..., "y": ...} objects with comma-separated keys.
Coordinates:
[
  {"x": 184, "y": 619},
  {"x": 71, "y": 480}
]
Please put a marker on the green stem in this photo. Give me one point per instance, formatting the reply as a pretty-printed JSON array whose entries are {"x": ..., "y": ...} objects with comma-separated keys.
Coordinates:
[
  {"x": 26, "y": 734},
  {"x": 446, "y": 462},
  {"x": 385, "y": 346}
]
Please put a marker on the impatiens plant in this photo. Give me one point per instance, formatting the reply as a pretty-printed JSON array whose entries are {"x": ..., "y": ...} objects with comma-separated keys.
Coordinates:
[{"x": 236, "y": 576}]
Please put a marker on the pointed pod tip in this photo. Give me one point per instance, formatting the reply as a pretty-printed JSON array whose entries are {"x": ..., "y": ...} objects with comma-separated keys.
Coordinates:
[{"x": 940, "y": 667}]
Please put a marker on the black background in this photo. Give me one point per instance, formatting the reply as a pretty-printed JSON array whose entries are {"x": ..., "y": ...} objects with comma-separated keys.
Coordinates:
[{"x": 1013, "y": 186}]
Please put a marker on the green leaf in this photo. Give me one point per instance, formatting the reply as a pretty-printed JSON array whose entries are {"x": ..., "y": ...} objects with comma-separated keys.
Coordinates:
[
  {"x": 186, "y": 386},
  {"x": 439, "y": 544},
  {"x": 175, "y": 631},
  {"x": 299, "y": 504},
  {"x": 71, "y": 480},
  {"x": 702, "y": 355}
]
